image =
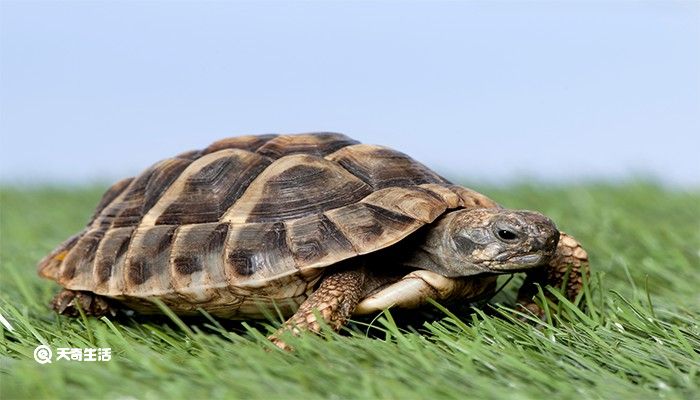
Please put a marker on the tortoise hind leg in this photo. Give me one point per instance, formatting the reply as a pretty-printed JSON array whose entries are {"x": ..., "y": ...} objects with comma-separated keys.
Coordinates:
[
  {"x": 334, "y": 301},
  {"x": 66, "y": 302},
  {"x": 569, "y": 257}
]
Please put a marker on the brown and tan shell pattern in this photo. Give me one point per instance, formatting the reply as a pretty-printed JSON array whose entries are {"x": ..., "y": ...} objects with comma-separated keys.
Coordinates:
[{"x": 249, "y": 222}]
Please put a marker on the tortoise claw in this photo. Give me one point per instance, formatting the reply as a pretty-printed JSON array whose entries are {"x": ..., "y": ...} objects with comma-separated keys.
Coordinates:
[
  {"x": 282, "y": 345},
  {"x": 530, "y": 309}
]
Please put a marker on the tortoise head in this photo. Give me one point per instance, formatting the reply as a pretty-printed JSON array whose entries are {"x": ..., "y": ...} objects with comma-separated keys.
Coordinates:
[{"x": 492, "y": 240}]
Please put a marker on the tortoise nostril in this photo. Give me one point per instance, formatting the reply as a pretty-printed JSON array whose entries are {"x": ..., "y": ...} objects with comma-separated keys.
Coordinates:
[{"x": 551, "y": 242}]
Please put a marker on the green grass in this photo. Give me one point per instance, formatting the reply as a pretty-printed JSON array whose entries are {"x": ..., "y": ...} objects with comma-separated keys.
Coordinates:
[{"x": 638, "y": 336}]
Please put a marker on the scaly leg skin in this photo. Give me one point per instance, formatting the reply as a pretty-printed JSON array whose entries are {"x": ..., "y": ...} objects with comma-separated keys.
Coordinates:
[
  {"x": 66, "y": 303},
  {"x": 334, "y": 301},
  {"x": 569, "y": 255}
]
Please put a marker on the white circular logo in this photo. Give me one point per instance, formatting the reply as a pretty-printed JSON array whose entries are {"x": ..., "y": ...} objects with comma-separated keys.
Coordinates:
[{"x": 43, "y": 354}]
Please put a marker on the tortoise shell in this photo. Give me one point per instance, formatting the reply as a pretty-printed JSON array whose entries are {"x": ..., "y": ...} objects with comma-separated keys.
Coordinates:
[{"x": 250, "y": 222}]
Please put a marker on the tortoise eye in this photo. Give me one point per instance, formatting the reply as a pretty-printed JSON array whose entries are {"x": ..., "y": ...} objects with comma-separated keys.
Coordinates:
[{"x": 506, "y": 234}]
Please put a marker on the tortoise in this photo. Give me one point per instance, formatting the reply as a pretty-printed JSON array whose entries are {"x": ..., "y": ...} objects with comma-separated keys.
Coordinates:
[{"x": 309, "y": 225}]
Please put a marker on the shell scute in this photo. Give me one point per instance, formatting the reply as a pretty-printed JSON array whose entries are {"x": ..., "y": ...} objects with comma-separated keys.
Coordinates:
[
  {"x": 196, "y": 263},
  {"x": 110, "y": 253},
  {"x": 415, "y": 202},
  {"x": 369, "y": 227},
  {"x": 142, "y": 193},
  {"x": 316, "y": 241},
  {"x": 76, "y": 267},
  {"x": 472, "y": 199},
  {"x": 108, "y": 197},
  {"x": 147, "y": 259},
  {"x": 316, "y": 144},
  {"x": 247, "y": 142},
  {"x": 381, "y": 167},
  {"x": 207, "y": 188},
  {"x": 296, "y": 186},
  {"x": 255, "y": 253}
]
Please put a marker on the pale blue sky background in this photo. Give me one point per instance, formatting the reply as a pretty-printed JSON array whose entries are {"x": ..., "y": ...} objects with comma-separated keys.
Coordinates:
[{"x": 487, "y": 91}]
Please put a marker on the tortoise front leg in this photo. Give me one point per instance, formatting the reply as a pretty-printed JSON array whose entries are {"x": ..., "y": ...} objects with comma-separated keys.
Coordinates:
[
  {"x": 334, "y": 301},
  {"x": 569, "y": 257}
]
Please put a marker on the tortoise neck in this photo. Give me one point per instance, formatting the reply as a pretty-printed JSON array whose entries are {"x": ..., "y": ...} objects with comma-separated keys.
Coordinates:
[{"x": 428, "y": 249}]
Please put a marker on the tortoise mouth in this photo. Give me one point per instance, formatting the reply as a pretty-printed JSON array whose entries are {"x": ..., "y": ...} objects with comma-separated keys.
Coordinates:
[
  {"x": 527, "y": 259},
  {"x": 521, "y": 262}
]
